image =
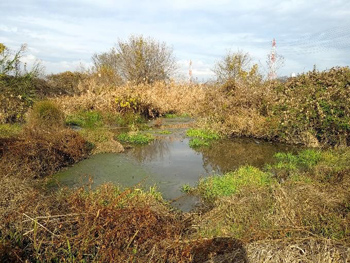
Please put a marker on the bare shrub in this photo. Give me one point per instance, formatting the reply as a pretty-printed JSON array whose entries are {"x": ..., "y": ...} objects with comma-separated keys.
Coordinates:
[
  {"x": 139, "y": 60},
  {"x": 66, "y": 82},
  {"x": 236, "y": 67}
]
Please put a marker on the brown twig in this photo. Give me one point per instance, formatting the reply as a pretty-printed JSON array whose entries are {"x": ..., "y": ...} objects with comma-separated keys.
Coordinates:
[{"x": 34, "y": 220}]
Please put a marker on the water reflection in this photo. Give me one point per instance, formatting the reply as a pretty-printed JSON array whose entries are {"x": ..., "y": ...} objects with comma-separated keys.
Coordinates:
[
  {"x": 221, "y": 157},
  {"x": 228, "y": 155},
  {"x": 158, "y": 149}
]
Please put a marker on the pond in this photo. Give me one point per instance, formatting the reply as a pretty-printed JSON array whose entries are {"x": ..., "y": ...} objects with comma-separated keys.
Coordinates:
[{"x": 168, "y": 162}]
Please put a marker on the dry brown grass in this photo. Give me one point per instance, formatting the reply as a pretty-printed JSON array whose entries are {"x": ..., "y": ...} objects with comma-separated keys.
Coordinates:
[
  {"x": 44, "y": 145},
  {"x": 159, "y": 97},
  {"x": 298, "y": 250},
  {"x": 103, "y": 141},
  {"x": 107, "y": 226},
  {"x": 237, "y": 109},
  {"x": 103, "y": 226},
  {"x": 291, "y": 210},
  {"x": 134, "y": 226},
  {"x": 39, "y": 153}
]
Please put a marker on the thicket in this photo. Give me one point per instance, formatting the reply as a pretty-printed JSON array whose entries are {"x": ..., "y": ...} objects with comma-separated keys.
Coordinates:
[
  {"x": 314, "y": 105},
  {"x": 310, "y": 109}
]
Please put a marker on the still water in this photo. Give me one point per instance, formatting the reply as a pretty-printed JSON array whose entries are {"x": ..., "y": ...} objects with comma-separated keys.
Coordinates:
[{"x": 168, "y": 162}]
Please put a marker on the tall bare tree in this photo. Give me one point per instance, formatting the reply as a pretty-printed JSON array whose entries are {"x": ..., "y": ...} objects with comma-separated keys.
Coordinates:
[{"x": 139, "y": 59}]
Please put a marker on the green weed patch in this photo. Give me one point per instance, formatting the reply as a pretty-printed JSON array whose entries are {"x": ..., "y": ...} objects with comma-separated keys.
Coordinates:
[
  {"x": 231, "y": 183},
  {"x": 164, "y": 132},
  {"x": 10, "y": 130},
  {"x": 201, "y": 137},
  {"x": 135, "y": 138}
]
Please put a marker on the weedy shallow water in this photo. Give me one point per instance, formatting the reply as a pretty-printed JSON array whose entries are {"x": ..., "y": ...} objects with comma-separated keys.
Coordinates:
[{"x": 169, "y": 163}]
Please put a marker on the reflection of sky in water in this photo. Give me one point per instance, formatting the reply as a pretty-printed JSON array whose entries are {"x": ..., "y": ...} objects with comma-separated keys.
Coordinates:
[{"x": 170, "y": 163}]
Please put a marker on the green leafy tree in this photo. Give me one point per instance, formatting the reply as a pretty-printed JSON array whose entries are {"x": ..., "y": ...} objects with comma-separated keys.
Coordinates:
[{"x": 139, "y": 60}]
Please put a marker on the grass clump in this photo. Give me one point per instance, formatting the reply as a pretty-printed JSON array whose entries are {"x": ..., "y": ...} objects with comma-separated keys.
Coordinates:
[
  {"x": 174, "y": 115},
  {"x": 311, "y": 202},
  {"x": 201, "y": 137},
  {"x": 231, "y": 183},
  {"x": 308, "y": 165},
  {"x": 102, "y": 140},
  {"x": 170, "y": 115},
  {"x": 135, "y": 138},
  {"x": 46, "y": 115}
]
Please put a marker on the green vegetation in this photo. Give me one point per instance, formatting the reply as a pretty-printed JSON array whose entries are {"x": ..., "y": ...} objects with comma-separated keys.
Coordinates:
[
  {"x": 10, "y": 130},
  {"x": 197, "y": 143},
  {"x": 250, "y": 204},
  {"x": 164, "y": 132},
  {"x": 288, "y": 164},
  {"x": 217, "y": 186},
  {"x": 314, "y": 107},
  {"x": 17, "y": 85},
  {"x": 85, "y": 119},
  {"x": 174, "y": 115},
  {"x": 135, "y": 138},
  {"x": 203, "y": 134},
  {"x": 170, "y": 115},
  {"x": 201, "y": 137}
]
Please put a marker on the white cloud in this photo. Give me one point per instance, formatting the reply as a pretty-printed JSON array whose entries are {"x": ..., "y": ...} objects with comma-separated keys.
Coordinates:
[
  {"x": 63, "y": 33},
  {"x": 8, "y": 29},
  {"x": 61, "y": 66}
]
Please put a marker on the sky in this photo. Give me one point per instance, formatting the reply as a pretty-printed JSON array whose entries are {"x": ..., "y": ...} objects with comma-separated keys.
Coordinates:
[{"x": 63, "y": 35}]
